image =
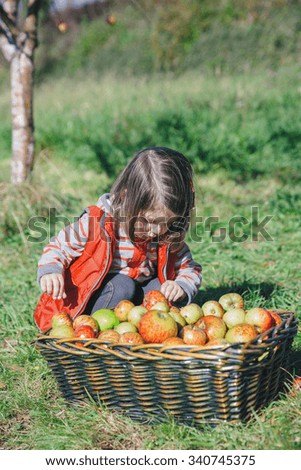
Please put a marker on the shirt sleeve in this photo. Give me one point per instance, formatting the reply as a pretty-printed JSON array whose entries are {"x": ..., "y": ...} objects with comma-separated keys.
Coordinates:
[
  {"x": 64, "y": 248},
  {"x": 188, "y": 273}
]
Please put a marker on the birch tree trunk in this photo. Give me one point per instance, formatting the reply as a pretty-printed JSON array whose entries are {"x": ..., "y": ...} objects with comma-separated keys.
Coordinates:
[{"x": 18, "y": 47}]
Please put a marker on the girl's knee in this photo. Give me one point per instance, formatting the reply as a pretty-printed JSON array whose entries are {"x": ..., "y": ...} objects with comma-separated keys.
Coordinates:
[{"x": 124, "y": 288}]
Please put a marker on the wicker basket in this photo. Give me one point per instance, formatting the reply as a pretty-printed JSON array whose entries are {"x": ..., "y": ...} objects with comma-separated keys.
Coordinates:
[{"x": 194, "y": 385}]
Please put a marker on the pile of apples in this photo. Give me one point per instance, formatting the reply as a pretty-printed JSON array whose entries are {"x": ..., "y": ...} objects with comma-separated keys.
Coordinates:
[{"x": 213, "y": 324}]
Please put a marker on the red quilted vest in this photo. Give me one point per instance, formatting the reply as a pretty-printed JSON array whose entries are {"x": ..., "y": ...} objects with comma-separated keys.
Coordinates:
[{"x": 85, "y": 273}]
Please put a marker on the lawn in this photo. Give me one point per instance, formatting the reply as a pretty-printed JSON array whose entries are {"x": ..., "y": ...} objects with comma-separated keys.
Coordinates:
[{"x": 242, "y": 136}]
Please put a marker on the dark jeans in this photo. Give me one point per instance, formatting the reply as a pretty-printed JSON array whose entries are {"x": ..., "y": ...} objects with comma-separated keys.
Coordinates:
[{"x": 117, "y": 287}]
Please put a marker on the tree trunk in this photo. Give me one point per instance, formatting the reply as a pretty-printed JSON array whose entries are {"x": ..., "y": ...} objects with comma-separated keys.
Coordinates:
[
  {"x": 22, "y": 117},
  {"x": 18, "y": 46}
]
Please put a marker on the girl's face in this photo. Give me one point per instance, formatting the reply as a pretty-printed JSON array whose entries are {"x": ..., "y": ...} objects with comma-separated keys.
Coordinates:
[{"x": 153, "y": 223}]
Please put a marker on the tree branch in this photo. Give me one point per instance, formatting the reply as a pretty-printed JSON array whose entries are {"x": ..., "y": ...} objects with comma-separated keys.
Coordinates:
[
  {"x": 9, "y": 23},
  {"x": 33, "y": 7},
  {"x": 7, "y": 44}
]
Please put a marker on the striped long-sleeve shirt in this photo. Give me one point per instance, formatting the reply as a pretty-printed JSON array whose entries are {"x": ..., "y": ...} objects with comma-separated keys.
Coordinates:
[{"x": 70, "y": 243}]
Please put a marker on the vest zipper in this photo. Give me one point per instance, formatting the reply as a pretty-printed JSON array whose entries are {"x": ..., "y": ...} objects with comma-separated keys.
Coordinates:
[
  {"x": 99, "y": 279},
  {"x": 164, "y": 270}
]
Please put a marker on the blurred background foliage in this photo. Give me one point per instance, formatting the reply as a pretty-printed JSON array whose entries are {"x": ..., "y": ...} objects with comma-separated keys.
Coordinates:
[
  {"x": 178, "y": 35},
  {"x": 169, "y": 35},
  {"x": 249, "y": 133}
]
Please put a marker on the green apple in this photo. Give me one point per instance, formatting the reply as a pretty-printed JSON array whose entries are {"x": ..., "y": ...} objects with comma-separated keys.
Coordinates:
[
  {"x": 234, "y": 316},
  {"x": 212, "y": 307},
  {"x": 125, "y": 327},
  {"x": 62, "y": 331},
  {"x": 231, "y": 300},
  {"x": 136, "y": 314},
  {"x": 177, "y": 317},
  {"x": 191, "y": 313},
  {"x": 105, "y": 318},
  {"x": 162, "y": 306}
]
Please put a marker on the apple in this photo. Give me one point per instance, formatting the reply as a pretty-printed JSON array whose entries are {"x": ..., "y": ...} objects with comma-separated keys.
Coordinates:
[
  {"x": 135, "y": 314},
  {"x": 109, "y": 336},
  {"x": 61, "y": 318},
  {"x": 163, "y": 306},
  {"x": 193, "y": 335},
  {"x": 241, "y": 333},
  {"x": 105, "y": 318},
  {"x": 231, "y": 300},
  {"x": 217, "y": 343},
  {"x": 156, "y": 326},
  {"x": 214, "y": 327},
  {"x": 212, "y": 307},
  {"x": 130, "y": 338},
  {"x": 125, "y": 327},
  {"x": 191, "y": 313},
  {"x": 84, "y": 332},
  {"x": 111, "y": 20},
  {"x": 122, "y": 309},
  {"x": 152, "y": 297},
  {"x": 296, "y": 387},
  {"x": 277, "y": 319},
  {"x": 234, "y": 316},
  {"x": 260, "y": 318},
  {"x": 173, "y": 341},
  {"x": 85, "y": 320},
  {"x": 173, "y": 308},
  {"x": 62, "y": 331},
  {"x": 177, "y": 317}
]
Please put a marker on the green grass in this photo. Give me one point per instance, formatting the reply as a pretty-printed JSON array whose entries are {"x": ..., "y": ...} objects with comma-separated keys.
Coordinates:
[{"x": 82, "y": 145}]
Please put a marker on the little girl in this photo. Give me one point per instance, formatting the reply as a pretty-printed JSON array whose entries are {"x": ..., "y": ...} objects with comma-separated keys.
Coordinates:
[{"x": 131, "y": 242}]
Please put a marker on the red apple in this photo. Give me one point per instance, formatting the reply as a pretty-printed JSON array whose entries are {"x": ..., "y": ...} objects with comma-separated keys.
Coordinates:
[
  {"x": 191, "y": 313},
  {"x": 84, "y": 332},
  {"x": 173, "y": 308},
  {"x": 216, "y": 343},
  {"x": 156, "y": 326},
  {"x": 296, "y": 388},
  {"x": 260, "y": 318},
  {"x": 136, "y": 314},
  {"x": 125, "y": 327},
  {"x": 234, "y": 316},
  {"x": 212, "y": 307},
  {"x": 131, "y": 338},
  {"x": 152, "y": 297},
  {"x": 173, "y": 341},
  {"x": 214, "y": 327},
  {"x": 85, "y": 320},
  {"x": 242, "y": 333},
  {"x": 62, "y": 331},
  {"x": 122, "y": 309},
  {"x": 193, "y": 335},
  {"x": 61, "y": 318},
  {"x": 277, "y": 319},
  {"x": 109, "y": 336},
  {"x": 231, "y": 300}
]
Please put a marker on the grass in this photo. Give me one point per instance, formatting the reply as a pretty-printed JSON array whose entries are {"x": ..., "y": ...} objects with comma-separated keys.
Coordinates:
[{"x": 70, "y": 175}]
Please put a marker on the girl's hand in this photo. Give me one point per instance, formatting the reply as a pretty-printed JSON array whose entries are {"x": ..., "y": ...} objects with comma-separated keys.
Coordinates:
[
  {"x": 172, "y": 291},
  {"x": 53, "y": 284}
]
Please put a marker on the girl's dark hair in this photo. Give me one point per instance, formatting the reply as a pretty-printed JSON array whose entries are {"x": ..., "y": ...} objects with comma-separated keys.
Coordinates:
[{"x": 155, "y": 176}]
